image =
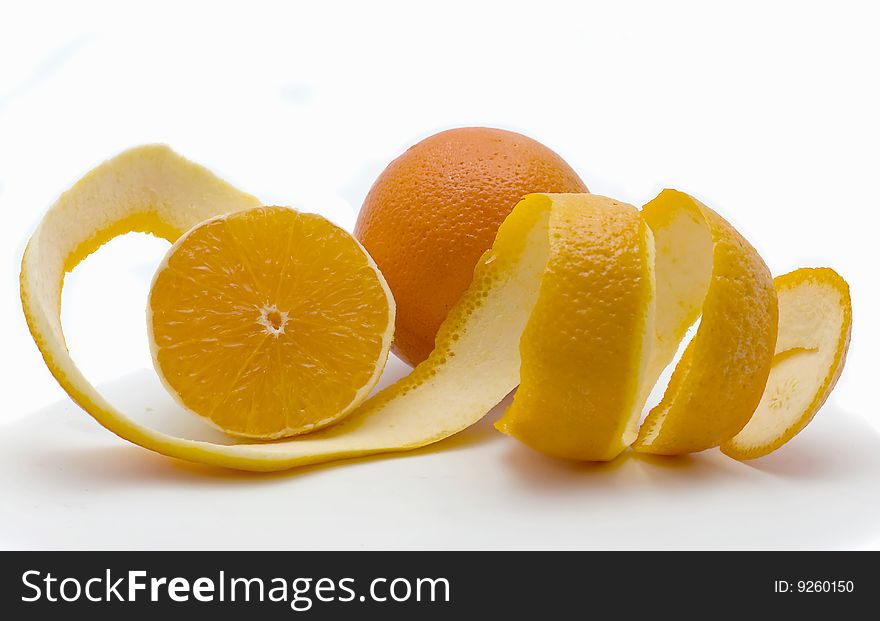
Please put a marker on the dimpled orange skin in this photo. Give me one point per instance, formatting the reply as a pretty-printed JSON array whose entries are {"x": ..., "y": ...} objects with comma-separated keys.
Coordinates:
[{"x": 435, "y": 209}]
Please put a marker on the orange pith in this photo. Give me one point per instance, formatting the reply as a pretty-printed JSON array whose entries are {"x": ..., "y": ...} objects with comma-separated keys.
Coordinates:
[{"x": 269, "y": 322}]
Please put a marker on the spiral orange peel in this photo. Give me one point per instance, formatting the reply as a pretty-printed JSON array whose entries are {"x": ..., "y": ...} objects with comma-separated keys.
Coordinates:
[{"x": 586, "y": 297}]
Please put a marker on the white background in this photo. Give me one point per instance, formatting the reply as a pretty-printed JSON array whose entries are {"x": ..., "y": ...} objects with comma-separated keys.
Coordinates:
[{"x": 766, "y": 111}]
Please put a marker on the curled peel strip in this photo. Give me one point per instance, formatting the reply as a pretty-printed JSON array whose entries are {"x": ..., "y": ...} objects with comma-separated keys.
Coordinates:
[
  {"x": 701, "y": 264},
  {"x": 647, "y": 277},
  {"x": 587, "y": 340},
  {"x": 815, "y": 326},
  {"x": 705, "y": 268}
]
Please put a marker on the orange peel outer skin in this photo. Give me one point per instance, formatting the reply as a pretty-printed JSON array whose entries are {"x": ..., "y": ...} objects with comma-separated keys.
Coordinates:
[{"x": 578, "y": 396}]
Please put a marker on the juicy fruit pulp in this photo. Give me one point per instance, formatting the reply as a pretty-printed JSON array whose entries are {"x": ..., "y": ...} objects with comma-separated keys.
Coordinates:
[
  {"x": 269, "y": 322},
  {"x": 434, "y": 210},
  {"x": 699, "y": 264}
]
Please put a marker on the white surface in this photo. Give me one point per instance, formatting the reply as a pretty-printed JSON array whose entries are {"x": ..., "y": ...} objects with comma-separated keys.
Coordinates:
[
  {"x": 478, "y": 490},
  {"x": 767, "y": 111}
]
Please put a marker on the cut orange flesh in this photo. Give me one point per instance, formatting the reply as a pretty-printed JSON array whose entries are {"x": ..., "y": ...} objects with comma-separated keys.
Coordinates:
[
  {"x": 815, "y": 322},
  {"x": 269, "y": 322}
]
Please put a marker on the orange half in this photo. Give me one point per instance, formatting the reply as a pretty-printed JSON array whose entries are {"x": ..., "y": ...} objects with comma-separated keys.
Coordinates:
[{"x": 269, "y": 322}]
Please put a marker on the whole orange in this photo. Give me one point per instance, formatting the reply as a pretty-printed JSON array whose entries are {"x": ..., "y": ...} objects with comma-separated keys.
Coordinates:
[{"x": 435, "y": 209}]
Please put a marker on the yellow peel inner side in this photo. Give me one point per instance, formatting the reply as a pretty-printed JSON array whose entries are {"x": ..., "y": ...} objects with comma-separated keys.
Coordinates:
[{"x": 688, "y": 262}]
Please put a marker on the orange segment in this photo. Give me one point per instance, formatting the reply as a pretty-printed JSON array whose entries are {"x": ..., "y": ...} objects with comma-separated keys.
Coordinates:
[
  {"x": 815, "y": 322},
  {"x": 269, "y": 322}
]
